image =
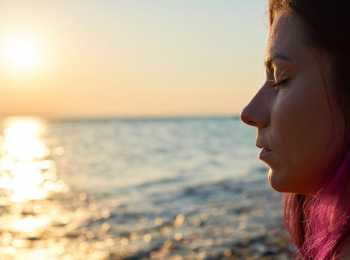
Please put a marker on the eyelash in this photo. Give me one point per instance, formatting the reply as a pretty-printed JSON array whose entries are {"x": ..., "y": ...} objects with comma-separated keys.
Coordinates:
[{"x": 280, "y": 83}]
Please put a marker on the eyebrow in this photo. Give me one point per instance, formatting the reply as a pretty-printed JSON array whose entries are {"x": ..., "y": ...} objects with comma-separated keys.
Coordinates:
[{"x": 277, "y": 56}]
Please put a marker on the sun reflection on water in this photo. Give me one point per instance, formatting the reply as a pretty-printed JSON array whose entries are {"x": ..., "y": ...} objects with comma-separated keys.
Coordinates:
[
  {"x": 26, "y": 172},
  {"x": 28, "y": 178},
  {"x": 40, "y": 217}
]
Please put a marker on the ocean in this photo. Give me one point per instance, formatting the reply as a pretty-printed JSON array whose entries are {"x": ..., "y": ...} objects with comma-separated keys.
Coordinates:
[{"x": 140, "y": 188}]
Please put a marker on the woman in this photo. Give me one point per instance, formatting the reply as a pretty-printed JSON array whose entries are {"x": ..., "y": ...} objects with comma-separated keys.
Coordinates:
[{"x": 302, "y": 116}]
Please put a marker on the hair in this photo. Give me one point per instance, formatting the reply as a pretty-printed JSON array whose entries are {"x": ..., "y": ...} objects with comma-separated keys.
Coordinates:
[{"x": 320, "y": 224}]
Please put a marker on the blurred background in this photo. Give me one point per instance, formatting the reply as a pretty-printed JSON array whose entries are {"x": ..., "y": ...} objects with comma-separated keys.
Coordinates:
[{"x": 120, "y": 135}]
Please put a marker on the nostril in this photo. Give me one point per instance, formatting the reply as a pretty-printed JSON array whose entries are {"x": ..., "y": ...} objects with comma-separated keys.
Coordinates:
[
  {"x": 246, "y": 119},
  {"x": 249, "y": 121}
]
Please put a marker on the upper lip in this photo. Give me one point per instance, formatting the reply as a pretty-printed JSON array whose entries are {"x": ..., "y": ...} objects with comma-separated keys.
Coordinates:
[{"x": 261, "y": 145}]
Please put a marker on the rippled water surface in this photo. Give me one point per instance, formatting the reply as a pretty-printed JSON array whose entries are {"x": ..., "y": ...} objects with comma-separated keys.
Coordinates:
[{"x": 133, "y": 189}]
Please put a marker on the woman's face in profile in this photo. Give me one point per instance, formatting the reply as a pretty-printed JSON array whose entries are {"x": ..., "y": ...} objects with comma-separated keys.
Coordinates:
[{"x": 294, "y": 112}]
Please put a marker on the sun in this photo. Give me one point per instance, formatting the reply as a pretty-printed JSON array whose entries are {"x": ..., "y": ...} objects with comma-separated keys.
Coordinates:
[{"x": 20, "y": 53}]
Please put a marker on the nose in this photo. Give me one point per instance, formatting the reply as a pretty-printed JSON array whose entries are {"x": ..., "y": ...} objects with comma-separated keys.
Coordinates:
[
  {"x": 248, "y": 117},
  {"x": 256, "y": 113}
]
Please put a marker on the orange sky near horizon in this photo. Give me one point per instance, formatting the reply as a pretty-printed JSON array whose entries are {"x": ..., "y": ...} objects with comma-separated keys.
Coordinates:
[{"x": 131, "y": 58}]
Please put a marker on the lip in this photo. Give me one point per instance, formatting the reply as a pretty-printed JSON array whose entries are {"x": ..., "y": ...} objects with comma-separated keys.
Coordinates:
[{"x": 265, "y": 153}]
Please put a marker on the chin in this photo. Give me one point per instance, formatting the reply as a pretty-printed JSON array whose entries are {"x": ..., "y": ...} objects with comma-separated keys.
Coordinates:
[
  {"x": 283, "y": 185},
  {"x": 276, "y": 182}
]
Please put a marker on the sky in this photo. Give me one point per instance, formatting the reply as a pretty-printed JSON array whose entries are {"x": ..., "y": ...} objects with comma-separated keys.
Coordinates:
[{"x": 100, "y": 58}]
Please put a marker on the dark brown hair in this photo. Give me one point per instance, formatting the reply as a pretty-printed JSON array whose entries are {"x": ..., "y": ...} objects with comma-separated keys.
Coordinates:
[{"x": 327, "y": 29}]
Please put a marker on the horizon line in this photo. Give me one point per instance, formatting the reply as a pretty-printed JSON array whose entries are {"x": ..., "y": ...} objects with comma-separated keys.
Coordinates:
[{"x": 123, "y": 117}]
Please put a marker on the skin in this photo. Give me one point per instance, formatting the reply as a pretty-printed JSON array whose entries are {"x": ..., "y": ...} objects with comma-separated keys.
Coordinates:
[{"x": 299, "y": 119}]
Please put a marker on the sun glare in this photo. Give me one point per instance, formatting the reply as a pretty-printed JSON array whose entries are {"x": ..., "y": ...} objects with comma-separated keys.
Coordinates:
[
  {"x": 20, "y": 53},
  {"x": 26, "y": 170}
]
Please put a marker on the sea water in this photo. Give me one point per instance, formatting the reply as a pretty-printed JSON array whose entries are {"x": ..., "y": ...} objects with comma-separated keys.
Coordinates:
[{"x": 134, "y": 188}]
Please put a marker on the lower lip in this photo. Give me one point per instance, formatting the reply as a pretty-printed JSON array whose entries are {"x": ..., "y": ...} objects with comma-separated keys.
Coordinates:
[{"x": 265, "y": 154}]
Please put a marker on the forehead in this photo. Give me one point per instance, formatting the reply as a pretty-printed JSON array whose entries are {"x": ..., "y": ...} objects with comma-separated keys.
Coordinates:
[{"x": 286, "y": 36}]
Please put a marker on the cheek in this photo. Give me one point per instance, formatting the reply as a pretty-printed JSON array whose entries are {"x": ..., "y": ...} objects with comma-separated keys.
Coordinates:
[{"x": 300, "y": 131}]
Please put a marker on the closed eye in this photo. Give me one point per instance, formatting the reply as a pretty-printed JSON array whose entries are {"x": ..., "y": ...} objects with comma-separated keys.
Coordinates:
[{"x": 279, "y": 83}]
